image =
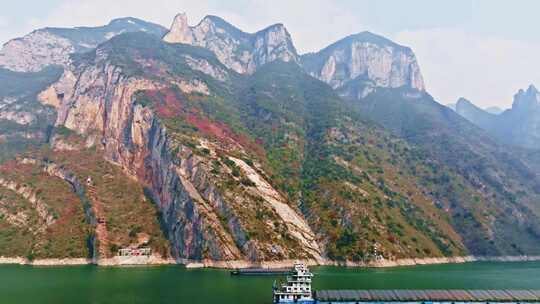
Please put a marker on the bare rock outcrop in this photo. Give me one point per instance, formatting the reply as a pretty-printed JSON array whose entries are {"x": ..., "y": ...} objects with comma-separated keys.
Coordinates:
[
  {"x": 359, "y": 63},
  {"x": 53, "y": 46},
  {"x": 35, "y": 51},
  {"x": 239, "y": 51},
  {"x": 100, "y": 100}
]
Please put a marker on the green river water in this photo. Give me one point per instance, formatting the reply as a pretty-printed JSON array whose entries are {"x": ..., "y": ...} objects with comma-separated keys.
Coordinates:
[{"x": 175, "y": 284}]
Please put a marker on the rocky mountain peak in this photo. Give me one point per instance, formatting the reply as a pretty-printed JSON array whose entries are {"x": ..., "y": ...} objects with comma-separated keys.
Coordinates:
[
  {"x": 276, "y": 35},
  {"x": 532, "y": 89},
  {"x": 240, "y": 51},
  {"x": 474, "y": 114},
  {"x": 180, "y": 31},
  {"x": 277, "y": 27},
  {"x": 53, "y": 46},
  {"x": 526, "y": 99},
  {"x": 463, "y": 100},
  {"x": 517, "y": 126},
  {"x": 356, "y": 64},
  {"x": 467, "y": 109}
]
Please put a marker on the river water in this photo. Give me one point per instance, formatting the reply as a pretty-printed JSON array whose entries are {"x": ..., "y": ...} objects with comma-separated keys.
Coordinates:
[{"x": 175, "y": 284}]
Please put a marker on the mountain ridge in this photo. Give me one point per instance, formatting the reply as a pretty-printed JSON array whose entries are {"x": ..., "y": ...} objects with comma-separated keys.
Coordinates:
[
  {"x": 54, "y": 45},
  {"x": 261, "y": 166},
  {"x": 515, "y": 126},
  {"x": 240, "y": 51},
  {"x": 347, "y": 66}
]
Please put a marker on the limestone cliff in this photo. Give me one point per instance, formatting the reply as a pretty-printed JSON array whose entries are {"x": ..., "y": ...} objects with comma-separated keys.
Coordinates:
[
  {"x": 359, "y": 63},
  {"x": 238, "y": 50},
  {"x": 216, "y": 147},
  {"x": 53, "y": 46},
  {"x": 520, "y": 125},
  {"x": 203, "y": 220}
]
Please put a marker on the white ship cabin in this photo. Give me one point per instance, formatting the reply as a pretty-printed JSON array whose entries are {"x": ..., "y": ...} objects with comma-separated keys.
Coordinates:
[{"x": 297, "y": 288}]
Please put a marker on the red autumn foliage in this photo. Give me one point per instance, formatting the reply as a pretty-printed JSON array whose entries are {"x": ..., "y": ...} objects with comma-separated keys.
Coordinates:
[
  {"x": 9, "y": 166},
  {"x": 222, "y": 132},
  {"x": 206, "y": 126},
  {"x": 167, "y": 102}
]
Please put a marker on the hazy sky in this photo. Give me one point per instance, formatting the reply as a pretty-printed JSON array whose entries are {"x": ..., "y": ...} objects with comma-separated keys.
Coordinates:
[{"x": 484, "y": 50}]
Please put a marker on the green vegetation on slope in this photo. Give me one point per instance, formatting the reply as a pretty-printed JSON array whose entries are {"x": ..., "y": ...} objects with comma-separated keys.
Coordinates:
[
  {"x": 30, "y": 236},
  {"x": 490, "y": 194},
  {"x": 417, "y": 182}
]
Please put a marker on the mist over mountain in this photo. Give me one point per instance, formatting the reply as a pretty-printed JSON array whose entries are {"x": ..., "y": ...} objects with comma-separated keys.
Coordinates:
[
  {"x": 517, "y": 126},
  {"x": 494, "y": 110},
  {"x": 207, "y": 143}
]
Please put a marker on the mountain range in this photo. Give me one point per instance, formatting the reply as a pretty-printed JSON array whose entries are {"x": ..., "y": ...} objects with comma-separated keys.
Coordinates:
[
  {"x": 207, "y": 143},
  {"x": 518, "y": 126}
]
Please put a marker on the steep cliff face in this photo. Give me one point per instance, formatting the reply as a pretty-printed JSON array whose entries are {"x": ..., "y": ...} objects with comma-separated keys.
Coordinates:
[
  {"x": 357, "y": 64},
  {"x": 221, "y": 147},
  {"x": 52, "y": 46},
  {"x": 199, "y": 196},
  {"x": 520, "y": 125},
  {"x": 240, "y": 51}
]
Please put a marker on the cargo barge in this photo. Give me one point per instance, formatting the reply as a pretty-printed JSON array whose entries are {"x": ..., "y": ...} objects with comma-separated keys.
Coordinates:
[
  {"x": 297, "y": 289},
  {"x": 261, "y": 271}
]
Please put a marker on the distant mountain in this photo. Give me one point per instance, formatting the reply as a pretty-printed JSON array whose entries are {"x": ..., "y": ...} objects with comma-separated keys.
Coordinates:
[
  {"x": 357, "y": 64},
  {"x": 474, "y": 114},
  {"x": 501, "y": 182},
  {"x": 24, "y": 122},
  {"x": 490, "y": 110},
  {"x": 494, "y": 110},
  {"x": 354, "y": 66},
  {"x": 52, "y": 46},
  {"x": 518, "y": 126},
  {"x": 240, "y": 51}
]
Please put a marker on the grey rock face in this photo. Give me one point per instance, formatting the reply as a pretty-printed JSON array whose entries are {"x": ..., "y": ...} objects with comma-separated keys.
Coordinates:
[
  {"x": 53, "y": 46},
  {"x": 357, "y": 64},
  {"x": 206, "y": 67},
  {"x": 200, "y": 217},
  {"x": 526, "y": 100},
  {"x": 35, "y": 51},
  {"x": 521, "y": 124},
  {"x": 239, "y": 51}
]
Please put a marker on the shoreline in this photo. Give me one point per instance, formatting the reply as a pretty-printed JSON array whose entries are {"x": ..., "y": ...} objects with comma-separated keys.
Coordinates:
[{"x": 190, "y": 264}]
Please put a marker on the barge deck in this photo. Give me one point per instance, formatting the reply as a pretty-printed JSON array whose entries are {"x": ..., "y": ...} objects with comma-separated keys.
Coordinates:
[
  {"x": 432, "y": 295},
  {"x": 261, "y": 271}
]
